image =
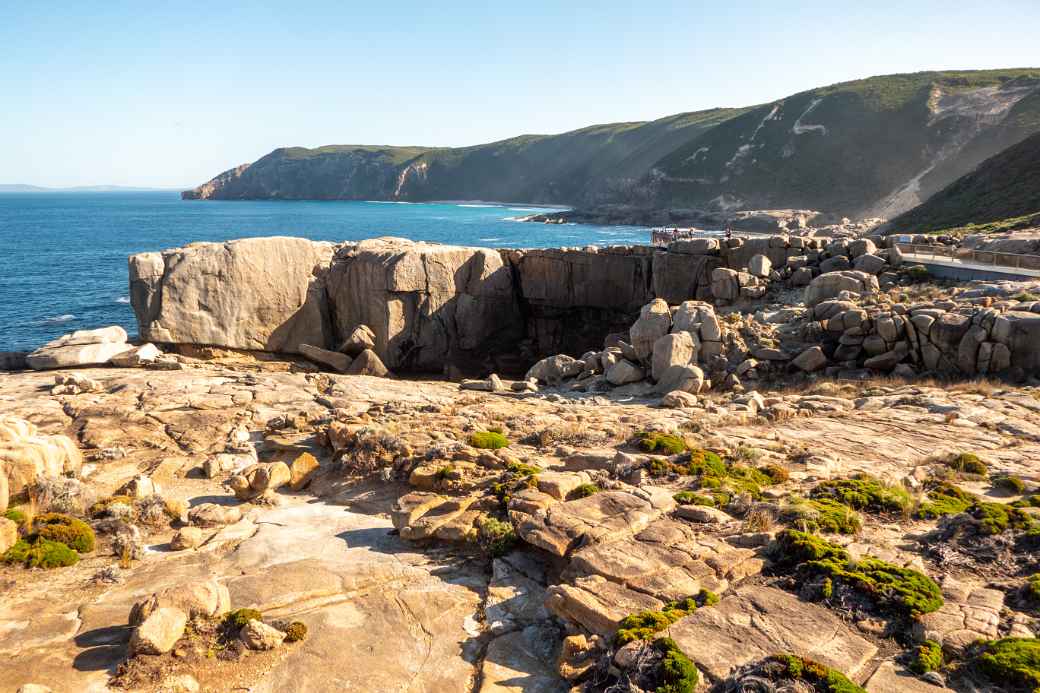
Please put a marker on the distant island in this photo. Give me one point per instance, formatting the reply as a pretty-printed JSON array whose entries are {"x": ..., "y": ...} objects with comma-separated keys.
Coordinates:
[
  {"x": 24, "y": 188},
  {"x": 874, "y": 147}
]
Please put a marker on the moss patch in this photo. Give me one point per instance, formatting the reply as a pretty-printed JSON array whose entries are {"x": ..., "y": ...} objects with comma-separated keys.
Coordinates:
[
  {"x": 488, "y": 440},
  {"x": 676, "y": 673},
  {"x": 585, "y": 490},
  {"x": 903, "y": 592},
  {"x": 1012, "y": 661},
  {"x": 661, "y": 443},
  {"x": 41, "y": 553},
  {"x": 822, "y": 515},
  {"x": 945, "y": 499},
  {"x": 691, "y": 498},
  {"x": 240, "y": 617},
  {"x": 643, "y": 625},
  {"x": 994, "y": 518},
  {"x": 926, "y": 657},
  {"x": 967, "y": 463},
  {"x": 1009, "y": 484},
  {"x": 819, "y": 676},
  {"x": 75, "y": 534},
  {"x": 864, "y": 492}
]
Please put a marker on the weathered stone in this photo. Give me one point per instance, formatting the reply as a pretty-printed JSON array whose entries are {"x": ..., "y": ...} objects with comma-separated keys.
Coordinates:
[
  {"x": 361, "y": 338},
  {"x": 655, "y": 320},
  {"x": 137, "y": 356},
  {"x": 553, "y": 369},
  {"x": 862, "y": 246},
  {"x": 839, "y": 263},
  {"x": 871, "y": 264},
  {"x": 302, "y": 470},
  {"x": 186, "y": 538},
  {"x": 213, "y": 515},
  {"x": 760, "y": 266},
  {"x": 810, "y": 360},
  {"x": 257, "y": 635},
  {"x": 677, "y": 399},
  {"x": 323, "y": 357},
  {"x": 725, "y": 284},
  {"x": 597, "y": 604},
  {"x": 81, "y": 348},
  {"x": 831, "y": 284},
  {"x": 367, "y": 363},
  {"x": 623, "y": 372},
  {"x": 672, "y": 351},
  {"x": 8, "y": 532},
  {"x": 253, "y": 293},
  {"x": 781, "y": 623},
  {"x": 159, "y": 631}
]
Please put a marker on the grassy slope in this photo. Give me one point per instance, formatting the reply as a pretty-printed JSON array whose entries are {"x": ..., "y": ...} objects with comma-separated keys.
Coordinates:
[
  {"x": 878, "y": 136},
  {"x": 1002, "y": 193}
]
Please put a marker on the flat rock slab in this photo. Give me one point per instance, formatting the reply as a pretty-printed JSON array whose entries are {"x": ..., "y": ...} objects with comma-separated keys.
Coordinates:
[
  {"x": 609, "y": 514},
  {"x": 524, "y": 661},
  {"x": 754, "y": 622},
  {"x": 892, "y": 678},
  {"x": 669, "y": 560},
  {"x": 598, "y": 604}
]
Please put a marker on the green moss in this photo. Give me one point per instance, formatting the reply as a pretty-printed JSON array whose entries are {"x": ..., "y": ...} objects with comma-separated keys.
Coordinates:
[
  {"x": 902, "y": 591},
  {"x": 586, "y": 490},
  {"x": 994, "y": 518},
  {"x": 967, "y": 463},
  {"x": 1032, "y": 588},
  {"x": 927, "y": 657},
  {"x": 496, "y": 537},
  {"x": 1010, "y": 484},
  {"x": 644, "y": 624},
  {"x": 822, "y": 515},
  {"x": 676, "y": 672},
  {"x": 521, "y": 469},
  {"x": 101, "y": 508},
  {"x": 1026, "y": 296},
  {"x": 16, "y": 516},
  {"x": 240, "y": 617},
  {"x": 296, "y": 632},
  {"x": 691, "y": 498},
  {"x": 706, "y": 463},
  {"x": 41, "y": 553},
  {"x": 488, "y": 440},
  {"x": 74, "y": 533},
  {"x": 821, "y": 677},
  {"x": 1030, "y": 501},
  {"x": 1012, "y": 662},
  {"x": 864, "y": 492},
  {"x": 663, "y": 443},
  {"x": 945, "y": 499}
]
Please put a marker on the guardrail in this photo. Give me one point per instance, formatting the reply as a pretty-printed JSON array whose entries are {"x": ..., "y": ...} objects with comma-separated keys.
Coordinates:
[{"x": 967, "y": 255}]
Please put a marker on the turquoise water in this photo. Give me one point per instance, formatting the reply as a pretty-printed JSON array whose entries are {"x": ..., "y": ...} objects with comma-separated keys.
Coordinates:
[{"x": 63, "y": 255}]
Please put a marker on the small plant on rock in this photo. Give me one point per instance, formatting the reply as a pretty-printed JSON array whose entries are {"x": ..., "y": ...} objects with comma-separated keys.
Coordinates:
[
  {"x": 238, "y": 618},
  {"x": 676, "y": 673},
  {"x": 691, "y": 498},
  {"x": 967, "y": 463},
  {"x": 926, "y": 657},
  {"x": 864, "y": 492},
  {"x": 944, "y": 499},
  {"x": 488, "y": 440},
  {"x": 1010, "y": 484},
  {"x": 76, "y": 534},
  {"x": 644, "y": 624},
  {"x": 585, "y": 490},
  {"x": 295, "y": 632},
  {"x": 41, "y": 553},
  {"x": 496, "y": 537},
  {"x": 661, "y": 443},
  {"x": 1011, "y": 662}
]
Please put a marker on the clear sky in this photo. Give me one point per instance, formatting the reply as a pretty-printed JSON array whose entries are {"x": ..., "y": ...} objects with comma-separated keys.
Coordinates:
[{"x": 170, "y": 94}]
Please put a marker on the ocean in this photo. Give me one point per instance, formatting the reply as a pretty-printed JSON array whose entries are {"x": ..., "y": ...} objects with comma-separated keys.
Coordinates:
[{"x": 63, "y": 255}]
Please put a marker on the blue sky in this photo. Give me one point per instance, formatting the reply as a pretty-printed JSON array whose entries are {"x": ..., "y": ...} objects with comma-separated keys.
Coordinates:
[{"x": 135, "y": 94}]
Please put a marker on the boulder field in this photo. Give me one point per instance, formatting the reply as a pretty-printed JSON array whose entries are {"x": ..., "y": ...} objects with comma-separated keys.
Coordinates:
[{"x": 427, "y": 308}]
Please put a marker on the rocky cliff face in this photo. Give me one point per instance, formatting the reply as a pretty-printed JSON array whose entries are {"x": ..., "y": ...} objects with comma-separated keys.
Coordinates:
[{"x": 873, "y": 147}]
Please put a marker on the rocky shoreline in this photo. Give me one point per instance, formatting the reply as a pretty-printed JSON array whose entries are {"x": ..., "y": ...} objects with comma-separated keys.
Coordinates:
[{"x": 723, "y": 465}]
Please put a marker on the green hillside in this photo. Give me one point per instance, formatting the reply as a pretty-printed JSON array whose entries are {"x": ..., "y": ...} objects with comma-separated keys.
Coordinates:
[
  {"x": 876, "y": 146},
  {"x": 1001, "y": 194}
]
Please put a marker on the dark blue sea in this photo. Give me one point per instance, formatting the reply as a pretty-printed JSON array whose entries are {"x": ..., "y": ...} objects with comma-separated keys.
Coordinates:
[{"x": 63, "y": 255}]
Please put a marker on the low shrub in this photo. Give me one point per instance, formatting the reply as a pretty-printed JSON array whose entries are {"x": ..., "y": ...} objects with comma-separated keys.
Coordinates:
[
  {"x": 662, "y": 443},
  {"x": 496, "y": 537},
  {"x": 488, "y": 440},
  {"x": 926, "y": 657},
  {"x": 295, "y": 632},
  {"x": 994, "y": 518},
  {"x": 819, "y": 676},
  {"x": 691, "y": 498},
  {"x": 776, "y": 473},
  {"x": 240, "y": 617},
  {"x": 967, "y": 463},
  {"x": 585, "y": 490},
  {"x": 75, "y": 534},
  {"x": 41, "y": 553},
  {"x": 676, "y": 673}
]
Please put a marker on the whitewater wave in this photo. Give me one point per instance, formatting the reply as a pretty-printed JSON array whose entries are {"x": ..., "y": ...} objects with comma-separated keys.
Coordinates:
[
  {"x": 530, "y": 209},
  {"x": 58, "y": 319},
  {"x": 387, "y": 202},
  {"x": 489, "y": 240},
  {"x": 123, "y": 299},
  {"x": 477, "y": 206}
]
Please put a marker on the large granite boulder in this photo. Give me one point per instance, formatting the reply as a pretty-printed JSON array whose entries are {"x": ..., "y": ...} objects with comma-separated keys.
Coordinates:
[
  {"x": 829, "y": 285},
  {"x": 254, "y": 293},
  {"x": 26, "y": 455},
  {"x": 427, "y": 305}
]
